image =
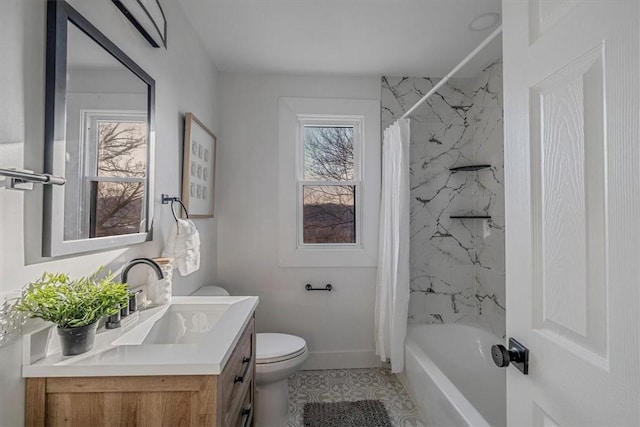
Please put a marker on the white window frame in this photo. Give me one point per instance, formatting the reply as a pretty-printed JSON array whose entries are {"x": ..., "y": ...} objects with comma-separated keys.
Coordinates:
[
  {"x": 355, "y": 122},
  {"x": 364, "y": 117},
  {"x": 88, "y": 173}
]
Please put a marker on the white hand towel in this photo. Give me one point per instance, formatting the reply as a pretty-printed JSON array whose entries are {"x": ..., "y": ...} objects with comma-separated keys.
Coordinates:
[{"x": 183, "y": 245}]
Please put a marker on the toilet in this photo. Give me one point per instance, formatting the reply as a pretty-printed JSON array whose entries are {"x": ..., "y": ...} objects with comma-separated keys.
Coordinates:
[{"x": 278, "y": 356}]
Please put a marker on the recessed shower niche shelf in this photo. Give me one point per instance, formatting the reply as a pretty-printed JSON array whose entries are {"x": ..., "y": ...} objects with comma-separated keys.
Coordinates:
[
  {"x": 469, "y": 168},
  {"x": 470, "y": 217}
]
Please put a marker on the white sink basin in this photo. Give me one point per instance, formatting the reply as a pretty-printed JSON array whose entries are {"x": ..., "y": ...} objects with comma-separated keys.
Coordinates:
[
  {"x": 184, "y": 324},
  {"x": 176, "y": 324}
]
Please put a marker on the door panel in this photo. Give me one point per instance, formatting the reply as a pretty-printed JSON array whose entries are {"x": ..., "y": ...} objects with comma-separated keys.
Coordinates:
[
  {"x": 568, "y": 148},
  {"x": 544, "y": 14},
  {"x": 572, "y": 156}
]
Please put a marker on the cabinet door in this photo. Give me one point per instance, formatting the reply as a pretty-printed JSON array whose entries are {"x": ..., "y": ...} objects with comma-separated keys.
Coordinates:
[
  {"x": 245, "y": 415},
  {"x": 116, "y": 401},
  {"x": 236, "y": 379}
]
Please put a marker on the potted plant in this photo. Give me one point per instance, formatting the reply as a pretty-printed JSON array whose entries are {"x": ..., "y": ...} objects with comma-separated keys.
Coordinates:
[{"x": 75, "y": 306}]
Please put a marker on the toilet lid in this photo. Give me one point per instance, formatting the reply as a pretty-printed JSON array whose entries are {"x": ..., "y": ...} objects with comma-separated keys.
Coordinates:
[{"x": 271, "y": 348}]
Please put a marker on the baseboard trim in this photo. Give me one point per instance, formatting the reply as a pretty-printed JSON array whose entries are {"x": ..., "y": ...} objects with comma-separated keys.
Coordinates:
[{"x": 341, "y": 360}]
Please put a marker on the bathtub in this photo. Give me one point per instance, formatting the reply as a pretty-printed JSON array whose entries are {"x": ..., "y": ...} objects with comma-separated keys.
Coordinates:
[{"x": 450, "y": 375}]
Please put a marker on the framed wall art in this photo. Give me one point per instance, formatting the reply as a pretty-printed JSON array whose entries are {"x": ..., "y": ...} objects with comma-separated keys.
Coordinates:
[
  {"x": 148, "y": 18},
  {"x": 199, "y": 168}
]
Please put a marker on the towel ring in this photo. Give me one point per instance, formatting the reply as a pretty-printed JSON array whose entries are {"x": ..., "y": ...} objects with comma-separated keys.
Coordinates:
[
  {"x": 186, "y": 212},
  {"x": 165, "y": 199}
]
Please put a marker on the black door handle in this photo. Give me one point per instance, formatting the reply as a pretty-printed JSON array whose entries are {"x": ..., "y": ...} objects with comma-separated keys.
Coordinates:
[{"x": 516, "y": 354}]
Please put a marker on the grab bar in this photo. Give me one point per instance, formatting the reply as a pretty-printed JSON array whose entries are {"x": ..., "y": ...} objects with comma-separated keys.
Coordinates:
[{"x": 311, "y": 288}]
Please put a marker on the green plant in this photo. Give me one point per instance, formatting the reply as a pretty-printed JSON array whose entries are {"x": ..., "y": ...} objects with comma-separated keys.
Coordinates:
[{"x": 72, "y": 303}]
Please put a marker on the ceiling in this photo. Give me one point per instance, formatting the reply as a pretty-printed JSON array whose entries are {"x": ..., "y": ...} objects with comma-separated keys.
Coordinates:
[{"x": 347, "y": 37}]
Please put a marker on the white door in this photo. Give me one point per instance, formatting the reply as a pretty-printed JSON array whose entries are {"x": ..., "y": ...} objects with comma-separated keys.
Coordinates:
[{"x": 572, "y": 180}]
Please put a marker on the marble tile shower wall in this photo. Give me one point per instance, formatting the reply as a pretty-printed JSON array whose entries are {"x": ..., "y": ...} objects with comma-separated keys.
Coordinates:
[{"x": 457, "y": 266}]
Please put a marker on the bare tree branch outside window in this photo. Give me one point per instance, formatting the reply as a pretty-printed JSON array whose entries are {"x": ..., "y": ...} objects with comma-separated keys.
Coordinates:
[
  {"x": 122, "y": 148},
  {"x": 329, "y": 210},
  {"x": 328, "y": 153}
]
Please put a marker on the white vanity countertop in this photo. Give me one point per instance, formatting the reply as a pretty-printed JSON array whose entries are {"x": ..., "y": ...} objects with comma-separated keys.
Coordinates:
[{"x": 186, "y": 341}]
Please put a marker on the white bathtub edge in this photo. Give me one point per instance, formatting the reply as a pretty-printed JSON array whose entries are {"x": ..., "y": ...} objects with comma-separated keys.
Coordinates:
[
  {"x": 405, "y": 383},
  {"x": 458, "y": 401}
]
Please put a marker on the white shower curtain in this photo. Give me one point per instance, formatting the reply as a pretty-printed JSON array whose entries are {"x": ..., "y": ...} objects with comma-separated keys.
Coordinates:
[{"x": 392, "y": 282}]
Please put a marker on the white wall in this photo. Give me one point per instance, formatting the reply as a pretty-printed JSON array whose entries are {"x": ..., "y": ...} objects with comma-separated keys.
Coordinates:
[
  {"x": 338, "y": 326},
  {"x": 186, "y": 80}
]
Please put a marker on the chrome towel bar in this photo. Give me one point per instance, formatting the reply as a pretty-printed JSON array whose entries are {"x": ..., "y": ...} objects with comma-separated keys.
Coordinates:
[{"x": 17, "y": 177}]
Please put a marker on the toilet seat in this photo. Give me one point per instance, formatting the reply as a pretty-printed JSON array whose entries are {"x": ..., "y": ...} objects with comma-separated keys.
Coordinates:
[{"x": 274, "y": 348}]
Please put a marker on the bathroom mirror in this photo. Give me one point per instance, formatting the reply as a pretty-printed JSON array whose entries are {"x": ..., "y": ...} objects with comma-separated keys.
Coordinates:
[{"x": 99, "y": 134}]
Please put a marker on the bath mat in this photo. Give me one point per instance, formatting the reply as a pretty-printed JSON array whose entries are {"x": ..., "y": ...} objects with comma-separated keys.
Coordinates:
[{"x": 363, "y": 413}]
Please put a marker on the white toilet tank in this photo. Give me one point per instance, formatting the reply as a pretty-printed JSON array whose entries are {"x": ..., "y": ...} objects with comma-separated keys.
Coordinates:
[{"x": 210, "y": 291}]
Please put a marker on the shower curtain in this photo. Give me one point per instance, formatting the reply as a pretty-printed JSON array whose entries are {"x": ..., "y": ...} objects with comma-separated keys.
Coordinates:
[{"x": 392, "y": 281}]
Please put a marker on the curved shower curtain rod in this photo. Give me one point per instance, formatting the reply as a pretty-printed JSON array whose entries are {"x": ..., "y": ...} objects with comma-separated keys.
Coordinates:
[{"x": 446, "y": 78}]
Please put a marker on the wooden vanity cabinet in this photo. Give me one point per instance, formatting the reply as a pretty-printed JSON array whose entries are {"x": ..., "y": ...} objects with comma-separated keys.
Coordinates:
[{"x": 224, "y": 400}]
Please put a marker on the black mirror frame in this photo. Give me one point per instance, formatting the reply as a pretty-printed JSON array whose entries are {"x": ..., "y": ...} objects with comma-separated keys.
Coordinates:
[{"x": 59, "y": 15}]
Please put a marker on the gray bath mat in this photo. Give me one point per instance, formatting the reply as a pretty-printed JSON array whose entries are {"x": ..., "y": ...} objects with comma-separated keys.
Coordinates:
[{"x": 363, "y": 413}]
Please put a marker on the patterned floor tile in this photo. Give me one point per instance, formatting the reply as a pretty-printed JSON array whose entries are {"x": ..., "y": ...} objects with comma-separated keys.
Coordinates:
[{"x": 336, "y": 385}]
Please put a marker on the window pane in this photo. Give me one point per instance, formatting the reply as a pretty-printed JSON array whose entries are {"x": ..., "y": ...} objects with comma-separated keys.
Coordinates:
[
  {"x": 328, "y": 153},
  {"x": 329, "y": 214},
  {"x": 118, "y": 208},
  {"x": 122, "y": 148}
]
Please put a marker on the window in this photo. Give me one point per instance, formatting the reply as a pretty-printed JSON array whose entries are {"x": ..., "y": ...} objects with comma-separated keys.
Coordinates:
[
  {"x": 329, "y": 182},
  {"x": 114, "y": 172}
]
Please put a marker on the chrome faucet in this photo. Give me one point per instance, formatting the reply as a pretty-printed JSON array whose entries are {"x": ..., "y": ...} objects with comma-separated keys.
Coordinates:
[{"x": 151, "y": 263}]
